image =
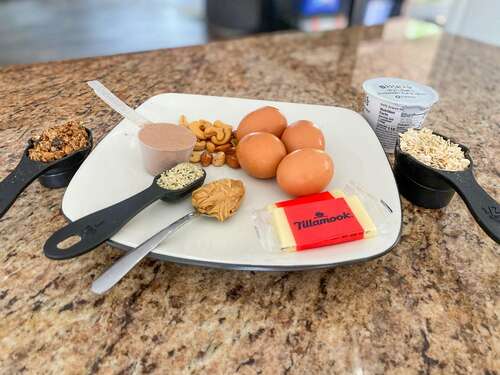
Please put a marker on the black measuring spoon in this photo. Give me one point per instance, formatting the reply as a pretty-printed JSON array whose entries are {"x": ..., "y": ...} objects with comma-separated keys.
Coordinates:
[
  {"x": 28, "y": 170},
  {"x": 423, "y": 182},
  {"x": 101, "y": 225}
]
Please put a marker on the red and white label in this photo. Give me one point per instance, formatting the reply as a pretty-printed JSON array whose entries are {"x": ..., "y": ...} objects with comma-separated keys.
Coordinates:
[{"x": 323, "y": 223}]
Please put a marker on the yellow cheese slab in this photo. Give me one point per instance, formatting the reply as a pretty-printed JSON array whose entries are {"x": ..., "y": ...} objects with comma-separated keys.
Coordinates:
[{"x": 282, "y": 229}]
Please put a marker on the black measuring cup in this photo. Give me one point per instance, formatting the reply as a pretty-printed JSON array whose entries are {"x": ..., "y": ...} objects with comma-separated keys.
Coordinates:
[
  {"x": 430, "y": 187},
  {"x": 28, "y": 170},
  {"x": 101, "y": 225}
]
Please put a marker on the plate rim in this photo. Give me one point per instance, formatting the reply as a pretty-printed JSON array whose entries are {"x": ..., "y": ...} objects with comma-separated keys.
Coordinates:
[{"x": 259, "y": 268}]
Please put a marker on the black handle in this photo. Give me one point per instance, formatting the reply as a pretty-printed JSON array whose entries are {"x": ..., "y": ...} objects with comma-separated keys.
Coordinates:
[
  {"x": 24, "y": 173},
  {"x": 99, "y": 226},
  {"x": 481, "y": 205}
]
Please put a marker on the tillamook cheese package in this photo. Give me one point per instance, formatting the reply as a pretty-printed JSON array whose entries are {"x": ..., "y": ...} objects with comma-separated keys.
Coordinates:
[
  {"x": 315, "y": 221},
  {"x": 321, "y": 223}
]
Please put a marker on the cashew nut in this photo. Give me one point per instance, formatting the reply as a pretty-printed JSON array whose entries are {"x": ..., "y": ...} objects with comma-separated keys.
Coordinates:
[
  {"x": 220, "y": 124},
  {"x": 195, "y": 157},
  {"x": 198, "y": 129},
  {"x": 213, "y": 131},
  {"x": 200, "y": 145},
  {"x": 227, "y": 136},
  {"x": 206, "y": 158},
  {"x": 219, "y": 136},
  {"x": 219, "y": 158},
  {"x": 210, "y": 147}
]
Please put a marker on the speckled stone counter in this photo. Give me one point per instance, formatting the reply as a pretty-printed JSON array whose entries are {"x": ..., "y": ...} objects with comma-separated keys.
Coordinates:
[{"x": 429, "y": 306}]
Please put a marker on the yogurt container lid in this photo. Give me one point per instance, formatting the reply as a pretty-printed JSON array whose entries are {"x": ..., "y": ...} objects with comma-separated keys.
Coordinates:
[{"x": 401, "y": 91}]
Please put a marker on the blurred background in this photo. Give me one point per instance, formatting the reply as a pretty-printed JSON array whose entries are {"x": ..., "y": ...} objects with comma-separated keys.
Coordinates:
[{"x": 47, "y": 30}]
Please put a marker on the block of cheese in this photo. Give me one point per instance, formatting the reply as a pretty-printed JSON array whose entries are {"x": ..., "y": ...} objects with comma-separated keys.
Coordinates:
[{"x": 326, "y": 219}]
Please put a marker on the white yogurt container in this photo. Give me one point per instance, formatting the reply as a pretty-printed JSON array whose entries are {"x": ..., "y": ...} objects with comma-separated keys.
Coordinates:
[{"x": 393, "y": 105}]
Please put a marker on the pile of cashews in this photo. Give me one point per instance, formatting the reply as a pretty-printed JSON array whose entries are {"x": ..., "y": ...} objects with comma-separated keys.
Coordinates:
[{"x": 215, "y": 143}]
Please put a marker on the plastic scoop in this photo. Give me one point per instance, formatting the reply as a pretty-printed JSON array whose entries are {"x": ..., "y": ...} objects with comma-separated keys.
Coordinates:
[
  {"x": 117, "y": 104},
  {"x": 28, "y": 170},
  {"x": 94, "y": 229}
]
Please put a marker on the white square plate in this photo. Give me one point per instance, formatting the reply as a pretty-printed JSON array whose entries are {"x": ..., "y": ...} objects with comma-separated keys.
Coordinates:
[{"x": 113, "y": 172}]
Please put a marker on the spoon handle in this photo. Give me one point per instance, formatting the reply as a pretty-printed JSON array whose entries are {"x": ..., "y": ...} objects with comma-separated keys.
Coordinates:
[
  {"x": 12, "y": 185},
  {"x": 117, "y": 104},
  {"x": 482, "y": 206},
  {"x": 92, "y": 230},
  {"x": 121, "y": 267}
]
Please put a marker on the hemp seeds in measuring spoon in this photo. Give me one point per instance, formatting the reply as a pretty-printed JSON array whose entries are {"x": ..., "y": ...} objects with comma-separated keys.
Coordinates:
[
  {"x": 171, "y": 185},
  {"x": 180, "y": 176},
  {"x": 179, "y": 181}
]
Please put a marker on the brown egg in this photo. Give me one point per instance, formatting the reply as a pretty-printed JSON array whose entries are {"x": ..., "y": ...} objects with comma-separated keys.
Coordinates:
[
  {"x": 266, "y": 119},
  {"x": 260, "y": 153},
  {"x": 305, "y": 171},
  {"x": 303, "y": 134}
]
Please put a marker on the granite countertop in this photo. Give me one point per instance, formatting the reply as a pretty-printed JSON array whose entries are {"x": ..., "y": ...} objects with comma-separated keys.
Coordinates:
[{"x": 429, "y": 306}]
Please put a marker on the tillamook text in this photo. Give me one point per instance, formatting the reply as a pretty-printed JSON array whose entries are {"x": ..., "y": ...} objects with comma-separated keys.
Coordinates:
[{"x": 320, "y": 221}]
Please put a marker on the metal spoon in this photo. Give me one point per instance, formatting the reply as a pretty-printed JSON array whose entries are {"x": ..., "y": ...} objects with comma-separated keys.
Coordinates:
[{"x": 121, "y": 267}]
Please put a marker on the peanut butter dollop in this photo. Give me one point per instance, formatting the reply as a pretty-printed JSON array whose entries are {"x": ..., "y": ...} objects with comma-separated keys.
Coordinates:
[{"x": 220, "y": 199}]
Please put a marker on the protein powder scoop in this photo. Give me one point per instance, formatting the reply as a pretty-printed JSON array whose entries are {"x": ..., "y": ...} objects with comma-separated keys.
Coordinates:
[{"x": 162, "y": 145}]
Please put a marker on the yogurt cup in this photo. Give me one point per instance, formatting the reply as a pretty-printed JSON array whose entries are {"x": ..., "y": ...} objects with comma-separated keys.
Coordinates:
[{"x": 393, "y": 105}]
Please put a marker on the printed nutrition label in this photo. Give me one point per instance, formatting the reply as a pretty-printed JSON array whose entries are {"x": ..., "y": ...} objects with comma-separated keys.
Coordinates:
[
  {"x": 387, "y": 125},
  {"x": 388, "y": 120},
  {"x": 393, "y": 105}
]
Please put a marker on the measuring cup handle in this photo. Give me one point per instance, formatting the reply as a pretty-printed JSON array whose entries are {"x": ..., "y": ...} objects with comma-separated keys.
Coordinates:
[
  {"x": 12, "y": 185},
  {"x": 94, "y": 229},
  {"x": 481, "y": 205}
]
